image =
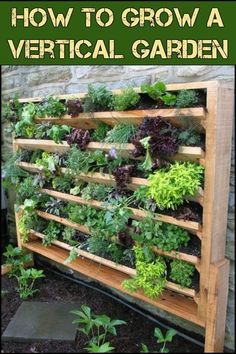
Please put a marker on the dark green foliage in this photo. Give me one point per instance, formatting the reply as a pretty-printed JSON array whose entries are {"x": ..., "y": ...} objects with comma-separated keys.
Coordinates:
[
  {"x": 62, "y": 183},
  {"x": 68, "y": 235},
  {"x": 41, "y": 130},
  {"x": 190, "y": 137},
  {"x": 100, "y": 132},
  {"x": 50, "y": 107},
  {"x": 26, "y": 189},
  {"x": 120, "y": 134},
  {"x": 96, "y": 191},
  {"x": 126, "y": 99},
  {"x": 11, "y": 172},
  {"x": 11, "y": 110},
  {"x": 187, "y": 98},
  {"x": 99, "y": 98},
  {"x": 54, "y": 206},
  {"x": 181, "y": 272},
  {"x": 52, "y": 232}
]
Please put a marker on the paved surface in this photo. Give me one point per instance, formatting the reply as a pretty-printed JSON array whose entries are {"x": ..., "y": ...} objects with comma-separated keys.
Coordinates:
[{"x": 36, "y": 321}]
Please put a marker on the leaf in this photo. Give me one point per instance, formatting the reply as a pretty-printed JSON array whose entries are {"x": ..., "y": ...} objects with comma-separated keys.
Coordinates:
[
  {"x": 144, "y": 348},
  {"x": 158, "y": 334},
  {"x": 170, "y": 334}
]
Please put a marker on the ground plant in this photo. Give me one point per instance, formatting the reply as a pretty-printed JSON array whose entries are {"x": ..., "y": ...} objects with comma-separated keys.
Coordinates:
[{"x": 161, "y": 339}]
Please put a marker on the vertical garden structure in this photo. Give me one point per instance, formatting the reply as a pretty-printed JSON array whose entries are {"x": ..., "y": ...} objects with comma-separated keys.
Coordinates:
[{"x": 207, "y": 307}]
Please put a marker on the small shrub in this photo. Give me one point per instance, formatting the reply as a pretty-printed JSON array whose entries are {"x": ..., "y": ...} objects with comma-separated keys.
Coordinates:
[
  {"x": 181, "y": 272},
  {"x": 50, "y": 107},
  {"x": 99, "y": 98},
  {"x": 187, "y": 98}
]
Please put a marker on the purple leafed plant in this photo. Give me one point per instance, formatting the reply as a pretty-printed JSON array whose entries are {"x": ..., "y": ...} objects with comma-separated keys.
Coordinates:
[{"x": 80, "y": 137}]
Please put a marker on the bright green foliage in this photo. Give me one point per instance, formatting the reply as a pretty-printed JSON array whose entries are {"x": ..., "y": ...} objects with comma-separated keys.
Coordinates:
[
  {"x": 68, "y": 234},
  {"x": 52, "y": 232},
  {"x": 76, "y": 190},
  {"x": 116, "y": 219},
  {"x": 41, "y": 131},
  {"x": 62, "y": 183},
  {"x": 58, "y": 132},
  {"x": 187, "y": 98},
  {"x": 161, "y": 338},
  {"x": 26, "y": 127},
  {"x": 101, "y": 98},
  {"x": 120, "y": 134},
  {"x": 72, "y": 256},
  {"x": 150, "y": 275},
  {"x": 147, "y": 164},
  {"x": 158, "y": 91},
  {"x": 26, "y": 280},
  {"x": 27, "y": 221},
  {"x": 26, "y": 189},
  {"x": 126, "y": 99},
  {"x": 165, "y": 236},
  {"x": 170, "y": 187},
  {"x": 51, "y": 107},
  {"x": 48, "y": 162},
  {"x": 16, "y": 257},
  {"x": 96, "y": 191},
  {"x": 181, "y": 272},
  {"x": 100, "y": 132},
  {"x": 96, "y": 328},
  {"x": 11, "y": 172}
]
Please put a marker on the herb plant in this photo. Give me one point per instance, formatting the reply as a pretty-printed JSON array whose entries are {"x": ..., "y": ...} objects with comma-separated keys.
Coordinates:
[
  {"x": 169, "y": 188},
  {"x": 161, "y": 338},
  {"x": 100, "y": 99},
  {"x": 50, "y": 107},
  {"x": 181, "y": 272},
  {"x": 58, "y": 132},
  {"x": 26, "y": 280},
  {"x": 96, "y": 328},
  {"x": 48, "y": 162},
  {"x": 26, "y": 127},
  {"x": 126, "y": 99},
  {"x": 51, "y": 233},
  {"x": 27, "y": 222},
  {"x": 100, "y": 132},
  {"x": 120, "y": 134},
  {"x": 158, "y": 91},
  {"x": 96, "y": 191},
  {"x": 62, "y": 183},
  {"x": 26, "y": 189},
  {"x": 187, "y": 98},
  {"x": 79, "y": 137},
  {"x": 54, "y": 206},
  {"x": 12, "y": 173}
]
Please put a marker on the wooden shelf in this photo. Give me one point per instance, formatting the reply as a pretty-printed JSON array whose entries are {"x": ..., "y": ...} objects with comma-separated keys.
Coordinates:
[
  {"x": 173, "y": 254},
  {"x": 185, "y": 153},
  {"x": 179, "y": 305}
]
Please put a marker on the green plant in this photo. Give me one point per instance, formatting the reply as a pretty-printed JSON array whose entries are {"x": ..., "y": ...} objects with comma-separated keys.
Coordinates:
[
  {"x": 48, "y": 162},
  {"x": 41, "y": 130},
  {"x": 169, "y": 187},
  {"x": 161, "y": 338},
  {"x": 26, "y": 189},
  {"x": 158, "y": 91},
  {"x": 100, "y": 132},
  {"x": 96, "y": 328},
  {"x": 96, "y": 191},
  {"x": 58, "y": 132},
  {"x": 187, "y": 98},
  {"x": 16, "y": 257},
  {"x": 68, "y": 235},
  {"x": 165, "y": 236},
  {"x": 25, "y": 126},
  {"x": 54, "y": 206},
  {"x": 26, "y": 280},
  {"x": 27, "y": 221},
  {"x": 181, "y": 272},
  {"x": 150, "y": 275},
  {"x": 126, "y": 99},
  {"x": 11, "y": 110},
  {"x": 147, "y": 163},
  {"x": 190, "y": 137},
  {"x": 12, "y": 173},
  {"x": 120, "y": 134},
  {"x": 62, "y": 183},
  {"x": 52, "y": 232},
  {"x": 50, "y": 107},
  {"x": 72, "y": 256},
  {"x": 100, "y": 98}
]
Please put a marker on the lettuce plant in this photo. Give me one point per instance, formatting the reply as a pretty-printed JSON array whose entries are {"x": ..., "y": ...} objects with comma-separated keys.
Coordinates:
[{"x": 126, "y": 99}]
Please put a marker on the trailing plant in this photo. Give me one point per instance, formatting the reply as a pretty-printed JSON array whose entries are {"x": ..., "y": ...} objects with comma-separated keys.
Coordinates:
[
  {"x": 62, "y": 183},
  {"x": 100, "y": 98},
  {"x": 11, "y": 110},
  {"x": 72, "y": 256},
  {"x": 79, "y": 137},
  {"x": 12, "y": 173},
  {"x": 27, "y": 221},
  {"x": 26, "y": 189},
  {"x": 169, "y": 188},
  {"x": 50, "y": 107},
  {"x": 74, "y": 107},
  {"x": 181, "y": 272},
  {"x": 165, "y": 236},
  {"x": 16, "y": 257},
  {"x": 52, "y": 232},
  {"x": 126, "y": 99},
  {"x": 151, "y": 276},
  {"x": 187, "y": 98},
  {"x": 96, "y": 328},
  {"x": 161, "y": 338},
  {"x": 100, "y": 132},
  {"x": 158, "y": 91},
  {"x": 68, "y": 236},
  {"x": 54, "y": 206},
  {"x": 120, "y": 134},
  {"x": 26, "y": 280},
  {"x": 58, "y": 132}
]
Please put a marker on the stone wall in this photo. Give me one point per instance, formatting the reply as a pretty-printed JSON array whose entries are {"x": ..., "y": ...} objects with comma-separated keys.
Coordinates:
[{"x": 28, "y": 81}]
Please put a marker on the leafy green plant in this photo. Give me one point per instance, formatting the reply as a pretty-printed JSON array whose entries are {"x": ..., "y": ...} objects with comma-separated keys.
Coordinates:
[
  {"x": 48, "y": 162},
  {"x": 25, "y": 126},
  {"x": 96, "y": 328},
  {"x": 181, "y": 272},
  {"x": 12, "y": 173},
  {"x": 120, "y": 134},
  {"x": 16, "y": 257},
  {"x": 26, "y": 189},
  {"x": 187, "y": 98},
  {"x": 190, "y": 137},
  {"x": 41, "y": 130},
  {"x": 62, "y": 183},
  {"x": 50, "y": 107},
  {"x": 54, "y": 206},
  {"x": 126, "y": 99},
  {"x": 167, "y": 237},
  {"x": 100, "y": 132},
  {"x": 58, "y": 132},
  {"x": 161, "y": 338},
  {"x": 72, "y": 256},
  {"x": 26, "y": 280},
  {"x": 52, "y": 232},
  {"x": 150, "y": 275},
  {"x": 27, "y": 222},
  {"x": 96, "y": 191},
  {"x": 147, "y": 163},
  {"x": 158, "y": 91},
  {"x": 169, "y": 187},
  {"x": 99, "y": 98},
  {"x": 11, "y": 110},
  {"x": 68, "y": 235}
]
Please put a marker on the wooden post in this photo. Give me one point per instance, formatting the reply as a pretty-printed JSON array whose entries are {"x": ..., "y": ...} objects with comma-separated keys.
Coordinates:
[{"x": 216, "y": 307}]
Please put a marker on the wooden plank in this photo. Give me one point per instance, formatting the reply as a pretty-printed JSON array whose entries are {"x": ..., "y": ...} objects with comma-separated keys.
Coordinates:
[
  {"x": 173, "y": 254},
  {"x": 216, "y": 184},
  {"x": 5, "y": 268},
  {"x": 216, "y": 307},
  {"x": 137, "y": 214},
  {"x": 185, "y": 153},
  {"x": 17, "y": 218}
]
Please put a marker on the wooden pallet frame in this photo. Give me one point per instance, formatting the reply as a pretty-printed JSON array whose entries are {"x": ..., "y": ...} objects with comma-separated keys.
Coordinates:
[{"x": 208, "y": 309}]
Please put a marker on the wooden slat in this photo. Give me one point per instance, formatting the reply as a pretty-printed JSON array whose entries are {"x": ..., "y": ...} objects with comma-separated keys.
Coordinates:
[
  {"x": 169, "y": 301},
  {"x": 192, "y": 226},
  {"x": 5, "y": 268},
  {"x": 173, "y": 254},
  {"x": 185, "y": 153}
]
